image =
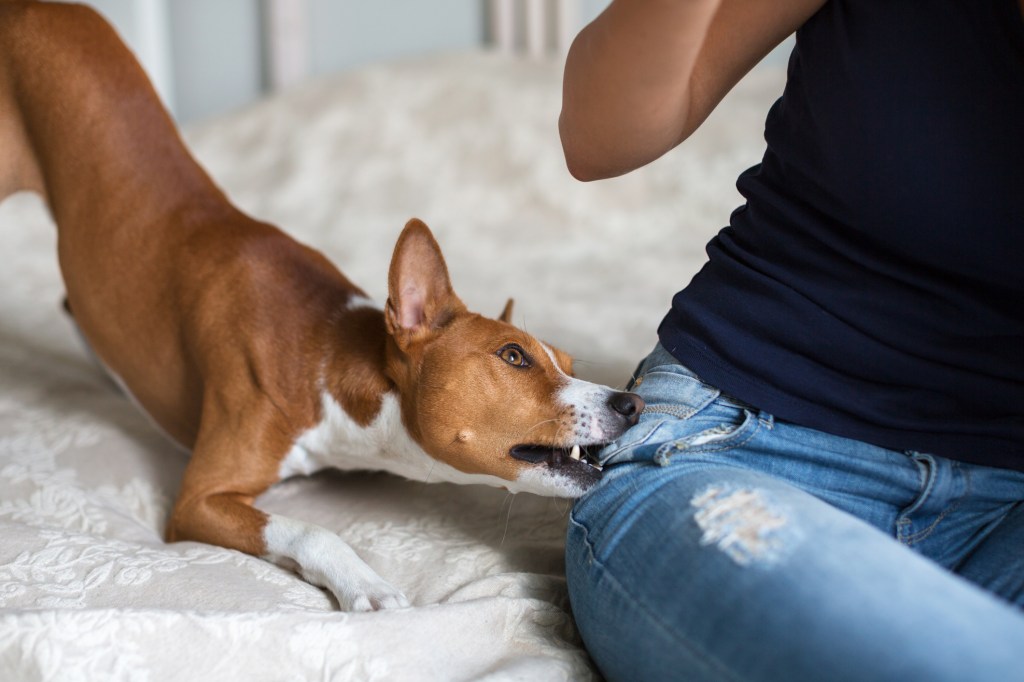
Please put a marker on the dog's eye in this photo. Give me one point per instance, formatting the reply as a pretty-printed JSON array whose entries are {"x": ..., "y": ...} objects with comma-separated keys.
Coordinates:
[{"x": 514, "y": 355}]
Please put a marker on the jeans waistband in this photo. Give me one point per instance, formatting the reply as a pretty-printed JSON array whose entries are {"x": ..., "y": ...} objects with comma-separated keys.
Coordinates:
[{"x": 668, "y": 387}]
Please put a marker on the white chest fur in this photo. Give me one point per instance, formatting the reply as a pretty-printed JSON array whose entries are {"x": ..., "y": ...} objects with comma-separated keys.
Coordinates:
[{"x": 338, "y": 442}]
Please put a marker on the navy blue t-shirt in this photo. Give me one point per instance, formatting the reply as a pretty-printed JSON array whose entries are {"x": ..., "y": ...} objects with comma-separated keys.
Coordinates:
[{"x": 872, "y": 286}]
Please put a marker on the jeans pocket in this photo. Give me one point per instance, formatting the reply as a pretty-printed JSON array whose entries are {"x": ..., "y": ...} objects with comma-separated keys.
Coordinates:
[
  {"x": 625, "y": 448},
  {"x": 682, "y": 414},
  {"x": 722, "y": 426},
  {"x": 719, "y": 426}
]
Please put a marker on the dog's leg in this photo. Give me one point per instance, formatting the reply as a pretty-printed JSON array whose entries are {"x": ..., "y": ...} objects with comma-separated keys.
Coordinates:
[
  {"x": 228, "y": 470},
  {"x": 326, "y": 560}
]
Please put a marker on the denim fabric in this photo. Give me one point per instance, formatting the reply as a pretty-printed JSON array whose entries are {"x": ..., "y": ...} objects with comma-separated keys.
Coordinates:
[{"x": 724, "y": 544}]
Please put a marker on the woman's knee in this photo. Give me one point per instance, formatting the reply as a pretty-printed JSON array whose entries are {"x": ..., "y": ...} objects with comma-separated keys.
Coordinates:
[
  {"x": 625, "y": 637},
  {"x": 647, "y": 547}
]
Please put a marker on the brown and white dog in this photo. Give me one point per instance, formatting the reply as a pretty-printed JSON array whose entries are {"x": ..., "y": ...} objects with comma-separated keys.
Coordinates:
[{"x": 252, "y": 350}]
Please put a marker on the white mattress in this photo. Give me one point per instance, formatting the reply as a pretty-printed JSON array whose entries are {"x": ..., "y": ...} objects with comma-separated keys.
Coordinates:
[{"x": 467, "y": 142}]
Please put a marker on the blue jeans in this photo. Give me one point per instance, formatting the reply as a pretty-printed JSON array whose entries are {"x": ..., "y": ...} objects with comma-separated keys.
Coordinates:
[{"x": 724, "y": 544}]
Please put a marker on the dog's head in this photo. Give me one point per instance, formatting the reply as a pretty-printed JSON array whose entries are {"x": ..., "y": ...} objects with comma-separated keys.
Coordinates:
[{"x": 485, "y": 397}]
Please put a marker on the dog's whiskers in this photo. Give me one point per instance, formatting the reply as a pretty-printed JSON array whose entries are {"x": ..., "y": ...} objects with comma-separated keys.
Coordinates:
[
  {"x": 542, "y": 423},
  {"x": 508, "y": 518},
  {"x": 433, "y": 463}
]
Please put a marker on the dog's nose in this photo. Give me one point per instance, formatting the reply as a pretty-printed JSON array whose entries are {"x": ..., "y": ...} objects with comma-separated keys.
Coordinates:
[{"x": 629, "y": 405}]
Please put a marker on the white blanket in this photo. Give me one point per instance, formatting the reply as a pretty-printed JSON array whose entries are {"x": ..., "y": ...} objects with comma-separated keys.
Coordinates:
[{"x": 467, "y": 142}]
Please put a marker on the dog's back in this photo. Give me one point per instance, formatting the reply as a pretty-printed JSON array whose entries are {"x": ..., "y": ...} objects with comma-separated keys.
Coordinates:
[{"x": 81, "y": 125}]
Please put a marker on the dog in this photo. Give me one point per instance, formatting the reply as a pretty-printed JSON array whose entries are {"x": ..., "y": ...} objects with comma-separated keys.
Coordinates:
[{"x": 252, "y": 350}]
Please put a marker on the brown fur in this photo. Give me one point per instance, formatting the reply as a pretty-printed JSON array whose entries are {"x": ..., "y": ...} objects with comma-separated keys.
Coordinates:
[
  {"x": 225, "y": 329},
  {"x": 199, "y": 345}
]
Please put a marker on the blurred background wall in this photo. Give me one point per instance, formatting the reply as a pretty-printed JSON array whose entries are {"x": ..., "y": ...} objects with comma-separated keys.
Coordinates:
[{"x": 209, "y": 57}]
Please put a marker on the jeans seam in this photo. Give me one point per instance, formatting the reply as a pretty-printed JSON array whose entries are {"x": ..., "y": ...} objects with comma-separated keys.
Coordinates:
[
  {"x": 927, "y": 470},
  {"x": 709, "y": 661},
  {"x": 924, "y": 533},
  {"x": 681, "y": 413},
  {"x": 734, "y": 445}
]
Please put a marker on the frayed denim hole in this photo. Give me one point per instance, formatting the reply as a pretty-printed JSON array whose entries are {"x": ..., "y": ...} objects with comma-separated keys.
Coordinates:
[
  {"x": 661, "y": 456},
  {"x": 745, "y": 523}
]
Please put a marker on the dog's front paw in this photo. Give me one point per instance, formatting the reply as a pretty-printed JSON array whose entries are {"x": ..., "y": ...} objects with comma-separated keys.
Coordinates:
[
  {"x": 355, "y": 585},
  {"x": 375, "y": 597},
  {"x": 367, "y": 593},
  {"x": 325, "y": 560}
]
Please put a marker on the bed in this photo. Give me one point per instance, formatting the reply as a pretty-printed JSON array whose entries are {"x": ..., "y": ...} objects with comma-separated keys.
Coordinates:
[{"x": 468, "y": 143}]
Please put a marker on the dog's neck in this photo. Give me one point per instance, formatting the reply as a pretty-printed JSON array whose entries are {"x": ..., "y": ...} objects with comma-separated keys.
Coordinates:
[
  {"x": 362, "y": 420},
  {"x": 354, "y": 358}
]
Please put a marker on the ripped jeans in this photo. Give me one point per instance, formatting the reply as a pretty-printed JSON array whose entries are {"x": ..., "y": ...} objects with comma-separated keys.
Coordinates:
[{"x": 722, "y": 544}]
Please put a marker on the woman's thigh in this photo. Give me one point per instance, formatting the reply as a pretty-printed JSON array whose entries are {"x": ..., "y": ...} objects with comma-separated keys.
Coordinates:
[{"x": 702, "y": 570}]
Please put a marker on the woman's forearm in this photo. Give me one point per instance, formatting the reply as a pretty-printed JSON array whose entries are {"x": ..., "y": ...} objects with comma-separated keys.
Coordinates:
[{"x": 625, "y": 95}]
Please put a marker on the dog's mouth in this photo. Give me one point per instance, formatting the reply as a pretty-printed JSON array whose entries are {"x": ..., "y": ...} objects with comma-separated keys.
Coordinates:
[{"x": 578, "y": 457}]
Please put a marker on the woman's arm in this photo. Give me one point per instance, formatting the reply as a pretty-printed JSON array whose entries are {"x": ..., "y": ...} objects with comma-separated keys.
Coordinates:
[{"x": 645, "y": 74}]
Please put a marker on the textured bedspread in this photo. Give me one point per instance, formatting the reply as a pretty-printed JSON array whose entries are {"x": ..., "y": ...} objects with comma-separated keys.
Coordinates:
[{"x": 88, "y": 589}]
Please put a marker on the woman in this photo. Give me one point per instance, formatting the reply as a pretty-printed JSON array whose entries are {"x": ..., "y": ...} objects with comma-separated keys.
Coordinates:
[{"x": 828, "y": 481}]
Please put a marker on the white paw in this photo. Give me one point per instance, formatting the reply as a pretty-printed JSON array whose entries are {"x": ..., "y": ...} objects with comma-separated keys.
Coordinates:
[
  {"x": 325, "y": 560},
  {"x": 356, "y": 586},
  {"x": 376, "y": 598}
]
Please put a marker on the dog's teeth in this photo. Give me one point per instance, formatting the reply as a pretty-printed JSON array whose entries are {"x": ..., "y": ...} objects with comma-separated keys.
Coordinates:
[{"x": 575, "y": 452}]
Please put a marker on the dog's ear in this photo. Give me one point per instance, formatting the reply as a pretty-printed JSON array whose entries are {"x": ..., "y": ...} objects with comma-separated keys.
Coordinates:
[
  {"x": 506, "y": 314},
  {"x": 420, "y": 295}
]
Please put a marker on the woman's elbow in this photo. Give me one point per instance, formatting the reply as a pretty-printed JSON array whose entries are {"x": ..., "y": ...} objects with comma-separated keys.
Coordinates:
[
  {"x": 590, "y": 156},
  {"x": 582, "y": 169},
  {"x": 587, "y": 166},
  {"x": 583, "y": 158}
]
